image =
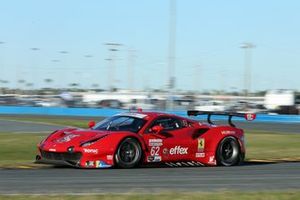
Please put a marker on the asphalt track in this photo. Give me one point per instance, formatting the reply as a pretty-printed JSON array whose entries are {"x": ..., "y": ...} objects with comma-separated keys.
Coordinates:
[
  {"x": 26, "y": 127},
  {"x": 257, "y": 177}
]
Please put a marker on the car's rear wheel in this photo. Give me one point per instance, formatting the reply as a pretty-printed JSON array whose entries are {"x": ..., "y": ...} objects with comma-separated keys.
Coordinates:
[
  {"x": 128, "y": 154},
  {"x": 228, "y": 152}
]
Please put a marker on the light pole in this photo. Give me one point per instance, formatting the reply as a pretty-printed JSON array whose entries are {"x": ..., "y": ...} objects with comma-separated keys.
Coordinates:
[
  {"x": 112, "y": 48},
  {"x": 65, "y": 62},
  {"x": 35, "y": 65},
  {"x": 172, "y": 52},
  {"x": 197, "y": 78},
  {"x": 130, "y": 70},
  {"x": 1, "y": 81},
  {"x": 247, "y": 62}
]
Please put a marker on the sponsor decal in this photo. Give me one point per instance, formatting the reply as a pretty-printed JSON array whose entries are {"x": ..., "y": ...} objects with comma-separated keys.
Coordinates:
[
  {"x": 67, "y": 133},
  {"x": 155, "y": 142},
  {"x": 137, "y": 115},
  {"x": 243, "y": 139},
  {"x": 200, "y": 155},
  {"x": 154, "y": 159},
  {"x": 67, "y": 138},
  {"x": 52, "y": 150},
  {"x": 166, "y": 151},
  {"x": 109, "y": 157},
  {"x": 89, "y": 163},
  {"x": 154, "y": 151},
  {"x": 212, "y": 160},
  {"x": 201, "y": 144},
  {"x": 178, "y": 150},
  {"x": 101, "y": 164},
  {"x": 185, "y": 123},
  {"x": 226, "y": 132},
  {"x": 94, "y": 151},
  {"x": 250, "y": 116},
  {"x": 179, "y": 164}
]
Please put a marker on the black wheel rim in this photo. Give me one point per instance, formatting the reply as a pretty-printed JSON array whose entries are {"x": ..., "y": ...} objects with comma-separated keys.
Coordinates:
[
  {"x": 229, "y": 152},
  {"x": 128, "y": 152}
]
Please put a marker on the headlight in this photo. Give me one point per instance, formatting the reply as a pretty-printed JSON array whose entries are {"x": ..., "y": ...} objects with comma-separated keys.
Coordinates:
[
  {"x": 87, "y": 144},
  {"x": 90, "y": 142}
]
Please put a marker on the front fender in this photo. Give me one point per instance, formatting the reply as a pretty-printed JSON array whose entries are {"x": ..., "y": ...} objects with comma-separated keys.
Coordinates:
[{"x": 108, "y": 146}]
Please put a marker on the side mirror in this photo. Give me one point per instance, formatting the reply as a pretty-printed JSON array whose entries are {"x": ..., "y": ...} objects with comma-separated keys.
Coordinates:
[
  {"x": 91, "y": 124},
  {"x": 157, "y": 129}
]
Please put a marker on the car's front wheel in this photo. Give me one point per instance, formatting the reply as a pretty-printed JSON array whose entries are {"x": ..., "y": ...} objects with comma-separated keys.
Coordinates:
[
  {"x": 128, "y": 154},
  {"x": 228, "y": 152}
]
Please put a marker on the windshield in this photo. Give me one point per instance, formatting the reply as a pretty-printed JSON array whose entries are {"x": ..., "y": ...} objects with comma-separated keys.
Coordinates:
[{"x": 120, "y": 123}]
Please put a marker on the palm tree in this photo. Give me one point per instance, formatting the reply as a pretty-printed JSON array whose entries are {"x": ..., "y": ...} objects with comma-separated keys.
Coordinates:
[
  {"x": 48, "y": 80},
  {"x": 29, "y": 84},
  {"x": 74, "y": 84},
  {"x": 95, "y": 85},
  {"x": 21, "y": 81}
]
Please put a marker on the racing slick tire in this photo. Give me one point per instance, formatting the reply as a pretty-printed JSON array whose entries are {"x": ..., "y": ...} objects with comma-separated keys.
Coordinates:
[
  {"x": 228, "y": 152},
  {"x": 128, "y": 154}
]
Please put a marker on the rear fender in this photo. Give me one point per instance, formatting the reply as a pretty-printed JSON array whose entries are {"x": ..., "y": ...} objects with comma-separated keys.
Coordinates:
[{"x": 214, "y": 136}]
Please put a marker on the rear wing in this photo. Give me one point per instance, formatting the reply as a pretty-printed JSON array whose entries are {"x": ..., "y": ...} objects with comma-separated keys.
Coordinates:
[{"x": 247, "y": 116}]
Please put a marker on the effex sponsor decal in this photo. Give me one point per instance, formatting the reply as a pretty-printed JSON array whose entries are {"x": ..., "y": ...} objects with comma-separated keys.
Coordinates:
[{"x": 178, "y": 150}]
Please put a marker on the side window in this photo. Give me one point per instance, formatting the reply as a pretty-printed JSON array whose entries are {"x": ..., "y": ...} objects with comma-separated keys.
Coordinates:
[{"x": 168, "y": 123}]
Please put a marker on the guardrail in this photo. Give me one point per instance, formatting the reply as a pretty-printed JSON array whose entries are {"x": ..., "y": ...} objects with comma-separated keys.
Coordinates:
[{"x": 106, "y": 112}]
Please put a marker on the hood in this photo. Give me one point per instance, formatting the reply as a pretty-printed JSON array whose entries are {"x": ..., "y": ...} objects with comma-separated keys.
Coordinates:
[{"x": 73, "y": 137}]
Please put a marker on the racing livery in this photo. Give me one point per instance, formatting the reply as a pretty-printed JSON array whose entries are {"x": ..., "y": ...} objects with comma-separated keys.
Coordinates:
[{"x": 131, "y": 139}]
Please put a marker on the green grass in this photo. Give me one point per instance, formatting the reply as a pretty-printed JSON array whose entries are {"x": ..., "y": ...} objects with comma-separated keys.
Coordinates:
[
  {"x": 18, "y": 148},
  {"x": 267, "y": 145},
  {"x": 284, "y": 195}
]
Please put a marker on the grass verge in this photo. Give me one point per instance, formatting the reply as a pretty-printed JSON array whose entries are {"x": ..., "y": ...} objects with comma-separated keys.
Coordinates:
[
  {"x": 284, "y": 195},
  {"x": 272, "y": 146},
  {"x": 18, "y": 148}
]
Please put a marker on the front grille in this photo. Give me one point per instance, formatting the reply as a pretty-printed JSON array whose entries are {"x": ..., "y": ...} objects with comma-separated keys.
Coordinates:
[{"x": 69, "y": 157}]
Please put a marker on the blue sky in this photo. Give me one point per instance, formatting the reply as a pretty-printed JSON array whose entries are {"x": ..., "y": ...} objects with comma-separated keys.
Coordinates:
[{"x": 208, "y": 39}]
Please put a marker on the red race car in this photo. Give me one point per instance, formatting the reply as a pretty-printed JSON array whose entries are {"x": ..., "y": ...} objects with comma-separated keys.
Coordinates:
[{"x": 130, "y": 139}]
